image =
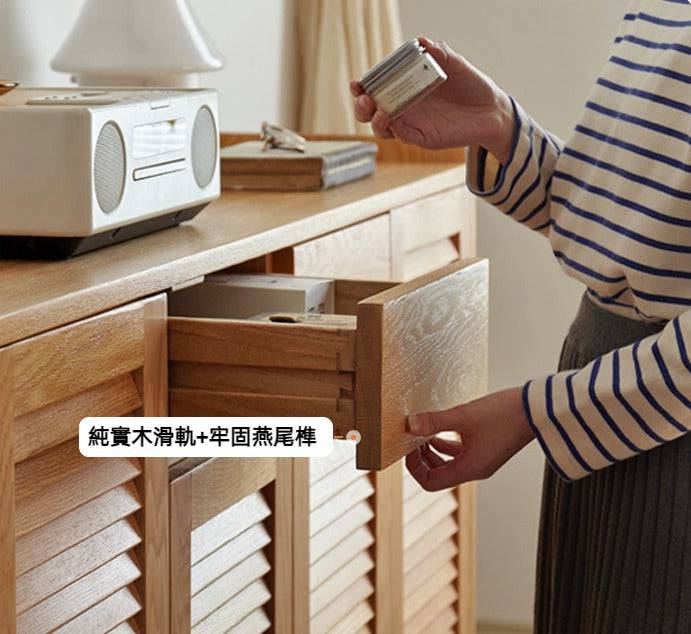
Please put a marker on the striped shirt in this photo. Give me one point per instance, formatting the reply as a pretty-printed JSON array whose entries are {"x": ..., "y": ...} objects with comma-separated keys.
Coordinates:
[{"x": 615, "y": 203}]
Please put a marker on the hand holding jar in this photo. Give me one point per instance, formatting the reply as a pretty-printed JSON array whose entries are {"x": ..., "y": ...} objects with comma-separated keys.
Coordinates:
[{"x": 465, "y": 109}]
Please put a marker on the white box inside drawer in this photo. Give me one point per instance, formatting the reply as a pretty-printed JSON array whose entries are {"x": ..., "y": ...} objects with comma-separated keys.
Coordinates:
[{"x": 238, "y": 296}]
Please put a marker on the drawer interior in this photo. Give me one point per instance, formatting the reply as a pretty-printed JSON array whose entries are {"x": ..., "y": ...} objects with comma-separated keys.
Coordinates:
[{"x": 408, "y": 347}]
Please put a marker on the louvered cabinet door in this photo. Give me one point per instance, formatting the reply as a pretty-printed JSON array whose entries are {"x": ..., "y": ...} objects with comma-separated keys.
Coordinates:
[
  {"x": 341, "y": 538},
  {"x": 230, "y": 546},
  {"x": 83, "y": 541},
  {"x": 438, "y": 559}
]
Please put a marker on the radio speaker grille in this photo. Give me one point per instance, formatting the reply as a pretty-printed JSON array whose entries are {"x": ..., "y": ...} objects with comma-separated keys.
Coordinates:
[
  {"x": 204, "y": 147},
  {"x": 109, "y": 168}
]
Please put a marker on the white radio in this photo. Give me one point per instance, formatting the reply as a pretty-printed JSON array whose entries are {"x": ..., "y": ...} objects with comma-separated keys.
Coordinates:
[{"x": 84, "y": 168}]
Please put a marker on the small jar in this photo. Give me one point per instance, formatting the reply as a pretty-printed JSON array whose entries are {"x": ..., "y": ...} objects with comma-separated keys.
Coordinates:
[{"x": 403, "y": 78}]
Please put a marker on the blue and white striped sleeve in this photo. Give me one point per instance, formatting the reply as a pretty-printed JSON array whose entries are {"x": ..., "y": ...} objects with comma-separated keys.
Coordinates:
[
  {"x": 521, "y": 188},
  {"x": 623, "y": 403}
]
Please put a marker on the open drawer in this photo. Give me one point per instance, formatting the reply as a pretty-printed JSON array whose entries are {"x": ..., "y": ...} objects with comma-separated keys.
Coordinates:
[{"x": 416, "y": 346}]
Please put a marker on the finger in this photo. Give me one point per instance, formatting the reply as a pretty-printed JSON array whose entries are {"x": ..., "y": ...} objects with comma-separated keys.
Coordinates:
[
  {"x": 432, "y": 459},
  {"x": 355, "y": 88},
  {"x": 431, "y": 423},
  {"x": 380, "y": 125},
  {"x": 416, "y": 466},
  {"x": 445, "y": 446},
  {"x": 451, "y": 473},
  {"x": 438, "y": 50},
  {"x": 365, "y": 108}
]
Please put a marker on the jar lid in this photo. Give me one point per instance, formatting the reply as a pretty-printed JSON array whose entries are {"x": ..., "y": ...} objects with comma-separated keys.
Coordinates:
[{"x": 401, "y": 56}]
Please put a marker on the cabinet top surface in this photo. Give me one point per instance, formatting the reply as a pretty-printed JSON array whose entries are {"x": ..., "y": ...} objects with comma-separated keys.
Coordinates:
[{"x": 37, "y": 296}]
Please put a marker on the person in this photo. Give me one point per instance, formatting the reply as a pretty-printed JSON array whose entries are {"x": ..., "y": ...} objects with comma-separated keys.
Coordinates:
[{"x": 614, "y": 201}]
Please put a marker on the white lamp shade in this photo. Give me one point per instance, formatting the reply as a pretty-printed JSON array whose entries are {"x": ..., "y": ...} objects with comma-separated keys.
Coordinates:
[{"x": 135, "y": 39}]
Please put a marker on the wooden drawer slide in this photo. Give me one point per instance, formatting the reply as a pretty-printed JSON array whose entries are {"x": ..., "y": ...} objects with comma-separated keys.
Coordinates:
[{"x": 416, "y": 346}]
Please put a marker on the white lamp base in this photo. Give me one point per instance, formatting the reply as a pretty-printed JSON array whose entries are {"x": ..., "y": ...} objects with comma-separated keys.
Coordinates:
[
  {"x": 169, "y": 80},
  {"x": 137, "y": 43}
]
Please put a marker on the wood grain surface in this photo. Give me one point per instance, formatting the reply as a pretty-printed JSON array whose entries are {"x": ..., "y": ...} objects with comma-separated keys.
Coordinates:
[
  {"x": 262, "y": 344},
  {"x": 53, "y": 424},
  {"x": 38, "y": 296},
  {"x": 321, "y": 541},
  {"x": 235, "y": 609},
  {"x": 466, "y": 560},
  {"x": 443, "y": 506},
  {"x": 330, "y": 591},
  {"x": 75, "y": 526},
  {"x": 74, "y": 358},
  {"x": 388, "y": 549},
  {"x": 91, "y": 549},
  {"x": 7, "y": 501},
  {"x": 278, "y": 381},
  {"x": 439, "y": 605},
  {"x": 340, "y": 552},
  {"x": 230, "y": 554},
  {"x": 421, "y": 346},
  {"x": 111, "y": 612},
  {"x": 431, "y": 596},
  {"x": 342, "y": 453},
  {"x": 224, "y": 526},
  {"x": 361, "y": 251},
  {"x": 234, "y": 580},
  {"x": 81, "y": 559},
  {"x": 332, "y": 484},
  {"x": 352, "y": 595},
  {"x": 422, "y": 547},
  {"x": 80, "y": 596},
  {"x": 222, "y": 482},
  {"x": 333, "y": 508},
  {"x": 425, "y": 221}
]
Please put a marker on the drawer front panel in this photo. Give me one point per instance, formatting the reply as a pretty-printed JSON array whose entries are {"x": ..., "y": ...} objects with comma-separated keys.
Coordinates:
[
  {"x": 428, "y": 220},
  {"x": 359, "y": 252},
  {"x": 421, "y": 346}
]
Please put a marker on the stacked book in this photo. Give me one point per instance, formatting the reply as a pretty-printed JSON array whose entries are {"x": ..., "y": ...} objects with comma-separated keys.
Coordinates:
[{"x": 323, "y": 164}]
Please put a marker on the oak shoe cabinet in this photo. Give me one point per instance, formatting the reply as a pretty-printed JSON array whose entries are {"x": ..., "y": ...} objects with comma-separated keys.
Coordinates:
[
  {"x": 83, "y": 541},
  {"x": 216, "y": 545}
]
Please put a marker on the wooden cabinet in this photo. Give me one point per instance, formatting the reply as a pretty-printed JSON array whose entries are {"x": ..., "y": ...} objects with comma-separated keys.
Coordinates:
[
  {"x": 362, "y": 251},
  {"x": 231, "y": 546},
  {"x": 432, "y": 232},
  {"x": 416, "y": 346},
  {"x": 403, "y": 244},
  {"x": 212, "y": 545},
  {"x": 83, "y": 541}
]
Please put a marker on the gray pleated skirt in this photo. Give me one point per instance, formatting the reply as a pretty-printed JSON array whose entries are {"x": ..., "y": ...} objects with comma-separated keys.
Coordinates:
[{"x": 614, "y": 553}]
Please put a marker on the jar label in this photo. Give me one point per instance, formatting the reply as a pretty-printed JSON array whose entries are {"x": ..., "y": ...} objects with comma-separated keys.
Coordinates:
[{"x": 404, "y": 88}]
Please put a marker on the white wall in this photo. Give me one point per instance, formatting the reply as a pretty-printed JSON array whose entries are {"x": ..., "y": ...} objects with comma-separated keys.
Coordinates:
[
  {"x": 257, "y": 41},
  {"x": 255, "y": 38},
  {"x": 546, "y": 53}
]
